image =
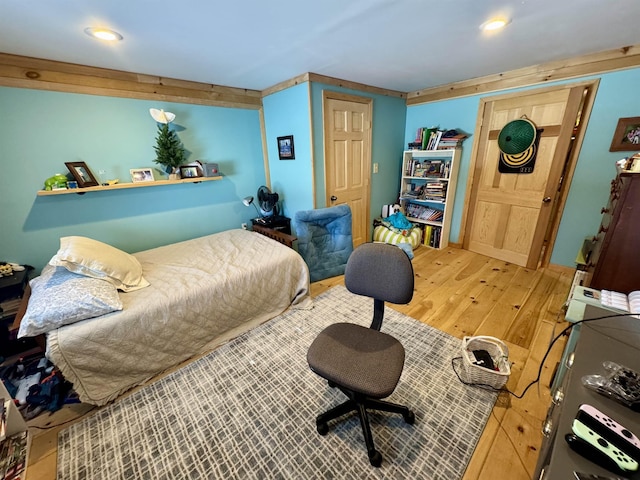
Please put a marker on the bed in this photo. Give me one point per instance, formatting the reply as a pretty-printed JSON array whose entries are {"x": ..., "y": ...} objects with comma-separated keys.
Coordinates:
[{"x": 200, "y": 293}]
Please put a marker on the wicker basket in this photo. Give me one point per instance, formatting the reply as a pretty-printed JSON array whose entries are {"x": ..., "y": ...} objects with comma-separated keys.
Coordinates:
[{"x": 481, "y": 375}]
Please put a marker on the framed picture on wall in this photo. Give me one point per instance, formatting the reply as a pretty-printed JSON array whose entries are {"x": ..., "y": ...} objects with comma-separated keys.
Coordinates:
[
  {"x": 627, "y": 135},
  {"x": 285, "y": 148},
  {"x": 82, "y": 174}
]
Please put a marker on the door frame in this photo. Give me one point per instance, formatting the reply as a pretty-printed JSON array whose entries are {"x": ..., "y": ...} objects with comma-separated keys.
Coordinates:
[
  {"x": 333, "y": 95},
  {"x": 591, "y": 88}
]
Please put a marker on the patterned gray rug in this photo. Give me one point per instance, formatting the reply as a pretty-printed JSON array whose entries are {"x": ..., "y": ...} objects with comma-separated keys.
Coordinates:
[{"x": 247, "y": 411}]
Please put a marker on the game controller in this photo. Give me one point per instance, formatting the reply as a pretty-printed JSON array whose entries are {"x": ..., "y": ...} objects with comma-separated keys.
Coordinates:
[
  {"x": 593, "y": 447},
  {"x": 610, "y": 430}
]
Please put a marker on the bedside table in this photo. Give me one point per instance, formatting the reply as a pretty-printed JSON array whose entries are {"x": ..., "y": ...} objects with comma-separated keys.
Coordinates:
[
  {"x": 12, "y": 289},
  {"x": 275, "y": 222}
]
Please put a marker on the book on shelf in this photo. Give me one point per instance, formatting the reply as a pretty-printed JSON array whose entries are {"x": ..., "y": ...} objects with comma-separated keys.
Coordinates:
[
  {"x": 13, "y": 456},
  {"x": 431, "y": 236},
  {"x": 4, "y": 409},
  {"x": 427, "y": 234},
  {"x": 619, "y": 301}
]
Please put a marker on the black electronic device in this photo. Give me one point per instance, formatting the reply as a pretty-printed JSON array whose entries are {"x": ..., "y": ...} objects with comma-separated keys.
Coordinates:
[
  {"x": 483, "y": 359},
  {"x": 268, "y": 201}
]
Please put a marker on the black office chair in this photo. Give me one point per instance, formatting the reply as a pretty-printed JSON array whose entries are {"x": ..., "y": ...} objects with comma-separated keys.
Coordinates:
[{"x": 365, "y": 363}]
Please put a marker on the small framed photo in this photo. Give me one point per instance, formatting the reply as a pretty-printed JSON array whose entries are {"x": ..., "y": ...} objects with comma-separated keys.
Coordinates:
[
  {"x": 627, "y": 135},
  {"x": 82, "y": 174},
  {"x": 285, "y": 148},
  {"x": 141, "y": 175},
  {"x": 190, "y": 171}
]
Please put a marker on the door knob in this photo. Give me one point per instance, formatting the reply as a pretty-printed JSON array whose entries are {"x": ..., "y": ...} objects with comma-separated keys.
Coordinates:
[
  {"x": 333, "y": 198},
  {"x": 546, "y": 199}
]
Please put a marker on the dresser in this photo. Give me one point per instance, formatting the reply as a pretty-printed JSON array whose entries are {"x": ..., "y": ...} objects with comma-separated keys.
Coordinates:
[
  {"x": 614, "y": 263},
  {"x": 590, "y": 344}
]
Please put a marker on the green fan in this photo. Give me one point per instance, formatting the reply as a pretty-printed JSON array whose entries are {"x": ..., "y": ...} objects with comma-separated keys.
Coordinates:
[{"x": 517, "y": 136}]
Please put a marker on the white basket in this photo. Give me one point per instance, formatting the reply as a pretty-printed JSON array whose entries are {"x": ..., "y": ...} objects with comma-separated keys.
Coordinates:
[{"x": 477, "y": 374}]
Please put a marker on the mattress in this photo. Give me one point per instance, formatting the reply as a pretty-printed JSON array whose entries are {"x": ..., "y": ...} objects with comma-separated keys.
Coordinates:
[{"x": 199, "y": 290}]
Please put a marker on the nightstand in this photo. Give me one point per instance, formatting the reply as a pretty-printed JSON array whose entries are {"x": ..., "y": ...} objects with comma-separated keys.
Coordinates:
[
  {"x": 12, "y": 289},
  {"x": 274, "y": 222}
]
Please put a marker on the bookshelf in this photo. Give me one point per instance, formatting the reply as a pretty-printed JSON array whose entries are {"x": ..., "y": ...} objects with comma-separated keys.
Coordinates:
[{"x": 427, "y": 191}]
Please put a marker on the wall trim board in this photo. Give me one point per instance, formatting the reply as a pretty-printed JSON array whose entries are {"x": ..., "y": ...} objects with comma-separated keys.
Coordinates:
[
  {"x": 361, "y": 87},
  {"x": 292, "y": 82},
  {"x": 265, "y": 150},
  {"x": 592, "y": 64},
  {"x": 26, "y": 72},
  {"x": 336, "y": 82}
]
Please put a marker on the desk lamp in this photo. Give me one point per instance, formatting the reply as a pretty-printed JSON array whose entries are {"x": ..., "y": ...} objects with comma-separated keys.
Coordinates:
[{"x": 249, "y": 201}]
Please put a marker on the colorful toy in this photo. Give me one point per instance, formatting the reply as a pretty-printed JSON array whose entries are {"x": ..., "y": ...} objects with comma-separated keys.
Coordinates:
[{"x": 57, "y": 181}]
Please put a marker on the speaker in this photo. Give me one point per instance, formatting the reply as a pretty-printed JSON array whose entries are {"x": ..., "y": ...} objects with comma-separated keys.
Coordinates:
[{"x": 210, "y": 170}]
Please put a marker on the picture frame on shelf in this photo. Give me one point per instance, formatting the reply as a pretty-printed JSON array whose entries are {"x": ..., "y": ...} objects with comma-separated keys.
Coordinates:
[
  {"x": 139, "y": 175},
  {"x": 190, "y": 171},
  {"x": 627, "y": 135},
  {"x": 285, "y": 148},
  {"x": 82, "y": 174}
]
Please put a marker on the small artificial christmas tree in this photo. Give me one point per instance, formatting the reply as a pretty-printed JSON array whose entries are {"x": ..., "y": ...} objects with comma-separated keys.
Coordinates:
[{"x": 169, "y": 150}]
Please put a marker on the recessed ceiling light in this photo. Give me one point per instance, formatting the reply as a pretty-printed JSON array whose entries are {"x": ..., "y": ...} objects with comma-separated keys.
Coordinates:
[
  {"x": 103, "y": 34},
  {"x": 494, "y": 24}
]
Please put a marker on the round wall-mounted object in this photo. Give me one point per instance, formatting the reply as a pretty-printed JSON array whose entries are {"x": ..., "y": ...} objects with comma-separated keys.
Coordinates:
[{"x": 516, "y": 136}]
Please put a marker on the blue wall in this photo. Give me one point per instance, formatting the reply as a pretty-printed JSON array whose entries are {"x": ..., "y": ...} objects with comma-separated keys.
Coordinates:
[
  {"x": 595, "y": 168},
  {"x": 287, "y": 113},
  {"x": 388, "y": 126},
  {"x": 41, "y": 130}
]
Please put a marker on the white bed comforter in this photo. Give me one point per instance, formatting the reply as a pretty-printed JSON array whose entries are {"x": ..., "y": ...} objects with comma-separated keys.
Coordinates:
[{"x": 199, "y": 290}]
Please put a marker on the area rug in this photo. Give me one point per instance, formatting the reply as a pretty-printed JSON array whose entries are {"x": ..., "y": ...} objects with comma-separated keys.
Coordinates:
[{"x": 247, "y": 411}]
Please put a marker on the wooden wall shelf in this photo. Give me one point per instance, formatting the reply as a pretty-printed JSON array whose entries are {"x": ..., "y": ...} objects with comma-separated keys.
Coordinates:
[{"x": 120, "y": 186}]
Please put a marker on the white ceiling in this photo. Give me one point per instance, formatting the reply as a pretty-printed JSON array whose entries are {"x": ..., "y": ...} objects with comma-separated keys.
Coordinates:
[{"x": 403, "y": 45}]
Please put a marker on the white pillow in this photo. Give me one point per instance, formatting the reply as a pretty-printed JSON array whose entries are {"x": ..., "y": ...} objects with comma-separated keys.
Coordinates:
[
  {"x": 59, "y": 297},
  {"x": 98, "y": 260}
]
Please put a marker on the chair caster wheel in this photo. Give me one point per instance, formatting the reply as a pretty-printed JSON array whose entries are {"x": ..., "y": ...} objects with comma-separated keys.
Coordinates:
[
  {"x": 322, "y": 428},
  {"x": 375, "y": 458},
  {"x": 410, "y": 418}
]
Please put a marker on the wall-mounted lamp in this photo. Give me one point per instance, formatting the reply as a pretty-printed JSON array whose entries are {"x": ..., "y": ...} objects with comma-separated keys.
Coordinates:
[{"x": 249, "y": 201}]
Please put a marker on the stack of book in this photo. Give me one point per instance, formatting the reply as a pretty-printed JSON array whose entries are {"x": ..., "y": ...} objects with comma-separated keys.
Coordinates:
[
  {"x": 434, "y": 191},
  {"x": 451, "y": 142}
]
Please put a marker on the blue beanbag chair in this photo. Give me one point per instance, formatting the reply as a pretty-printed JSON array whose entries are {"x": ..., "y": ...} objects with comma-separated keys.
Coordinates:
[{"x": 324, "y": 240}]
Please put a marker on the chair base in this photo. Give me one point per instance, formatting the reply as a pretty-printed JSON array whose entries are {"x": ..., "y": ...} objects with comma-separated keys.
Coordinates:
[{"x": 360, "y": 405}]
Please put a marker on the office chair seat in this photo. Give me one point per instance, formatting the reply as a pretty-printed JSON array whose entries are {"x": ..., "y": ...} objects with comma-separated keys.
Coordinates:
[
  {"x": 365, "y": 363},
  {"x": 364, "y": 360}
]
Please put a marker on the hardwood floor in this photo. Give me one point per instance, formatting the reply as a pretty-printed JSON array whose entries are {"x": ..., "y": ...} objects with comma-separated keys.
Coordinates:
[{"x": 461, "y": 293}]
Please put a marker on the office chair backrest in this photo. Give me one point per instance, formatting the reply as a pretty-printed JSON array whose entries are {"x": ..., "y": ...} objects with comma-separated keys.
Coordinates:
[{"x": 380, "y": 271}]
